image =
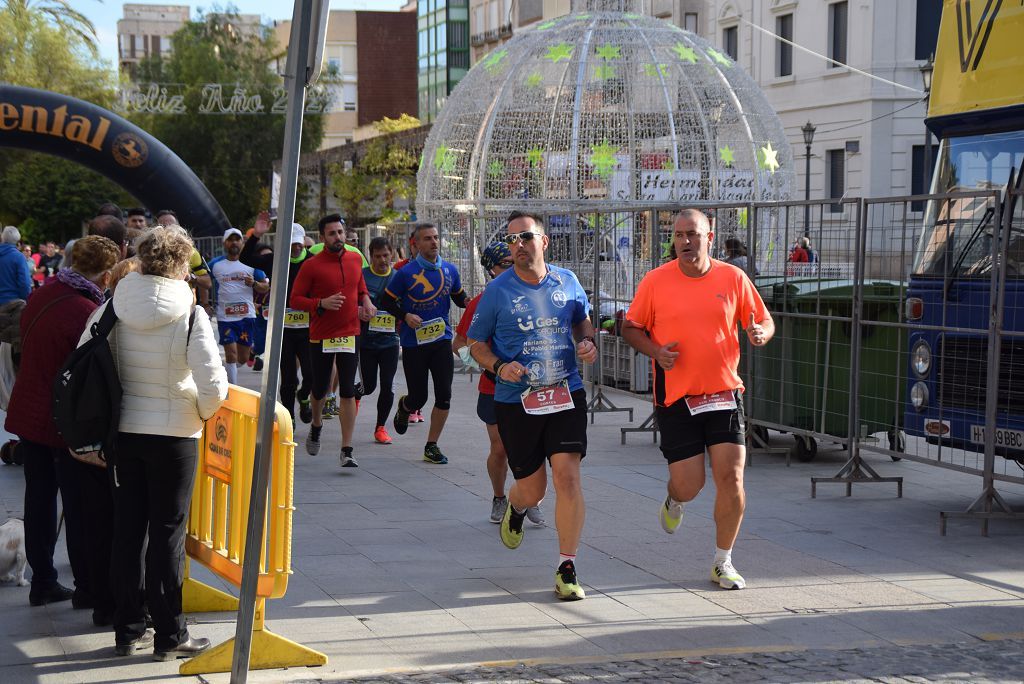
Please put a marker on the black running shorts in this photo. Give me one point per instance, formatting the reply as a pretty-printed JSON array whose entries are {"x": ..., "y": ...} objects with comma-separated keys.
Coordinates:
[
  {"x": 530, "y": 439},
  {"x": 685, "y": 436}
]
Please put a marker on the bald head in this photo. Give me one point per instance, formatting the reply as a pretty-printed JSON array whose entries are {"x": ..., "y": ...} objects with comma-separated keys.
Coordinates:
[{"x": 697, "y": 216}]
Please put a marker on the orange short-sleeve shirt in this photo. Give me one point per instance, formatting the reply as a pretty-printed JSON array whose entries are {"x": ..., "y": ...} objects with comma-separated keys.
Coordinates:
[{"x": 700, "y": 315}]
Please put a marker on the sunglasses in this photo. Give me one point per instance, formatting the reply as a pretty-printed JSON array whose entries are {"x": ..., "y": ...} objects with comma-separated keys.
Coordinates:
[{"x": 525, "y": 236}]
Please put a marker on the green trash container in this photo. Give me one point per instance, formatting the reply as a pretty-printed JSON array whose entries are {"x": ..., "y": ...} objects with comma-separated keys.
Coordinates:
[{"x": 801, "y": 380}]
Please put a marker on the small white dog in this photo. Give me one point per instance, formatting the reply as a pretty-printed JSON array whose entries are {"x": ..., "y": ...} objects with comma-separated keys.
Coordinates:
[{"x": 12, "y": 552}]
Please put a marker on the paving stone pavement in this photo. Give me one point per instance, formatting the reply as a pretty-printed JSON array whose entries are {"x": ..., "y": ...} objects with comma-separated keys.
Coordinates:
[
  {"x": 974, "y": 663},
  {"x": 398, "y": 570}
]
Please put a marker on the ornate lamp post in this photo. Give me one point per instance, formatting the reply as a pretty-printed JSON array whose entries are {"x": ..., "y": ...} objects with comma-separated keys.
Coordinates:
[
  {"x": 926, "y": 78},
  {"x": 808, "y": 131}
]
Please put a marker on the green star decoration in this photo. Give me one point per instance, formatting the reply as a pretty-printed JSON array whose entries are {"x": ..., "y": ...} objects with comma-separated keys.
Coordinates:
[
  {"x": 495, "y": 168},
  {"x": 546, "y": 25},
  {"x": 668, "y": 165},
  {"x": 535, "y": 155},
  {"x": 726, "y": 155},
  {"x": 655, "y": 70},
  {"x": 534, "y": 80},
  {"x": 604, "y": 71},
  {"x": 444, "y": 159},
  {"x": 494, "y": 59},
  {"x": 768, "y": 158},
  {"x": 603, "y": 159},
  {"x": 685, "y": 53},
  {"x": 741, "y": 218},
  {"x": 719, "y": 57},
  {"x": 609, "y": 52},
  {"x": 556, "y": 53}
]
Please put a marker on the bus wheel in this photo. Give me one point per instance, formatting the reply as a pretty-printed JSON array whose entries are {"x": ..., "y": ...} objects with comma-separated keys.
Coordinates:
[
  {"x": 897, "y": 442},
  {"x": 805, "y": 448}
]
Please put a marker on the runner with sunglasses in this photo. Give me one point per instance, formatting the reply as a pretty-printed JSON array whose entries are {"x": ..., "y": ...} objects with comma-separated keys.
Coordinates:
[
  {"x": 419, "y": 296},
  {"x": 496, "y": 259},
  {"x": 531, "y": 324},
  {"x": 330, "y": 286}
]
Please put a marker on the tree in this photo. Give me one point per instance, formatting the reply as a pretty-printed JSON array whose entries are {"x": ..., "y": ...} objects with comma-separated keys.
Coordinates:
[
  {"x": 49, "y": 196},
  {"x": 68, "y": 20},
  {"x": 386, "y": 172},
  {"x": 231, "y": 153}
]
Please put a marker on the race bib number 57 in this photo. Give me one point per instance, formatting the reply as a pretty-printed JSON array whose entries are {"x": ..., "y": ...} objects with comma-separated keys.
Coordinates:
[{"x": 544, "y": 400}]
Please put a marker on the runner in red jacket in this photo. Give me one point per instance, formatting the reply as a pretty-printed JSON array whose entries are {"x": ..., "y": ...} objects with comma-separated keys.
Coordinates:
[{"x": 331, "y": 288}]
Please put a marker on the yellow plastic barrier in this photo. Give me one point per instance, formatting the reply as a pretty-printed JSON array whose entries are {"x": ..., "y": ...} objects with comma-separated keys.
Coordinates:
[{"x": 217, "y": 525}]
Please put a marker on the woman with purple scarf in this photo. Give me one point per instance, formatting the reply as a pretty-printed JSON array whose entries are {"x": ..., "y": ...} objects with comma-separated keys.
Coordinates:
[{"x": 51, "y": 325}]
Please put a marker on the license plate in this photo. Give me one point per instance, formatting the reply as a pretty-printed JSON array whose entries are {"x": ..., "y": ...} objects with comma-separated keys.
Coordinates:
[{"x": 1010, "y": 439}]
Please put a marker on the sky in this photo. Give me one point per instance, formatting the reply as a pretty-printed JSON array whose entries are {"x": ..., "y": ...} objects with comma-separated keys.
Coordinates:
[{"x": 104, "y": 15}]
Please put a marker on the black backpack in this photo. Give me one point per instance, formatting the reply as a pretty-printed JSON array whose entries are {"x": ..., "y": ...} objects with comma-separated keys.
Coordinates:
[{"x": 87, "y": 392}]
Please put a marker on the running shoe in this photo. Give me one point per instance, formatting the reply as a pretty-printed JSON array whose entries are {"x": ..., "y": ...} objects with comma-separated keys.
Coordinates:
[
  {"x": 347, "y": 460},
  {"x": 250, "y": 361},
  {"x": 416, "y": 417},
  {"x": 498, "y": 506},
  {"x": 671, "y": 515},
  {"x": 725, "y": 575},
  {"x": 401, "y": 417},
  {"x": 313, "y": 440},
  {"x": 511, "y": 528},
  {"x": 305, "y": 410},
  {"x": 330, "y": 407},
  {"x": 381, "y": 436},
  {"x": 432, "y": 454},
  {"x": 358, "y": 387},
  {"x": 257, "y": 365},
  {"x": 567, "y": 587},
  {"x": 535, "y": 515}
]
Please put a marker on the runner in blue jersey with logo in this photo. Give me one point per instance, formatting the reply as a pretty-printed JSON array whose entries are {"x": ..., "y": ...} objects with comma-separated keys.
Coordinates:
[
  {"x": 531, "y": 324},
  {"x": 419, "y": 295},
  {"x": 379, "y": 338}
]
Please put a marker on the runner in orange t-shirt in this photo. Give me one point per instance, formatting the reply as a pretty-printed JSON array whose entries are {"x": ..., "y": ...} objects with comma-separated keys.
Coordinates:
[{"x": 684, "y": 317}]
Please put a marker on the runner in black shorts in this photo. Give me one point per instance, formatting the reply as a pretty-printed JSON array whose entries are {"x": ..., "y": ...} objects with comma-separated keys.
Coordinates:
[
  {"x": 531, "y": 324},
  {"x": 684, "y": 316}
]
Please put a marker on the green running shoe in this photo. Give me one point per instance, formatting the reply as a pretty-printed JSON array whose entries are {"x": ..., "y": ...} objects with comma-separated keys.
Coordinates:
[
  {"x": 725, "y": 576},
  {"x": 671, "y": 515},
  {"x": 511, "y": 528},
  {"x": 401, "y": 421},
  {"x": 567, "y": 587}
]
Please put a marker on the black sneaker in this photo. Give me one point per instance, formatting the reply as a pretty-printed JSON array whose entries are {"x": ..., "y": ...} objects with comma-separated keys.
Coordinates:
[
  {"x": 347, "y": 461},
  {"x": 401, "y": 421},
  {"x": 257, "y": 365},
  {"x": 185, "y": 649},
  {"x": 313, "y": 440},
  {"x": 54, "y": 594},
  {"x": 432, "y": 454},
  {"x": 127, "y": 648},
  {"x": 358, "y": 387},
  {"x": 81, "y": 600},
  {"x": 305, "y": 411}
]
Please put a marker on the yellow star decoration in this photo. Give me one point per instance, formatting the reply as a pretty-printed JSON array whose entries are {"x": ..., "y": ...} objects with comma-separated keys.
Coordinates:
[
  {"x": 685, "y": 53},
  {"x": 609, "y": 51},
  {"x": 668, "y": 165},
  {"x": 603, "y": 159},
  {"x": 534, "y": 80},
  {"x": 494, "y": 59},
  {"x": 495, "y": 168},
  {"x": 769, "y": 158},
  {"x": 719, "y": 57},
  {"x": 726, "y": 155},
  {"x": 556, "y": 53},
  {"x": 655, "y": 70},
  {"x": 604, "y": 71},
  {"x": 444, "y": 159}
]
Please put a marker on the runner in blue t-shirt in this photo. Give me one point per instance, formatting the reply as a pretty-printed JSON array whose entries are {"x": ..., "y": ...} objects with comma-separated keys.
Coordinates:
[
  {"x": 419, "y": 296},
  {"x": 531, "y": 324},
  {"x": 378, "y": 348}
]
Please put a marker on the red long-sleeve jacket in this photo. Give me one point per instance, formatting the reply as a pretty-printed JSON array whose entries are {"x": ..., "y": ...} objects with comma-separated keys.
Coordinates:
[{"x": 321, "y": 276}]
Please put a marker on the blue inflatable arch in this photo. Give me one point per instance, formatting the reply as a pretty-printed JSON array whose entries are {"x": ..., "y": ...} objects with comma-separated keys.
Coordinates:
[{"x": 94, "y": 137}]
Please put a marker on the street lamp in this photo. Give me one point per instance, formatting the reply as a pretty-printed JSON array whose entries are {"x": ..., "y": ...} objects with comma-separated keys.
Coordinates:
[
  {"x": 808, "y": 131},
  {"x": 926, "y": 78}
]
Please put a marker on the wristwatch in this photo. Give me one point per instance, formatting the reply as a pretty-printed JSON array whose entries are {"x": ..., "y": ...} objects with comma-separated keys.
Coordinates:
[
  {"x": 497, "y": 366},
  {"x": 590, "y": 339}
]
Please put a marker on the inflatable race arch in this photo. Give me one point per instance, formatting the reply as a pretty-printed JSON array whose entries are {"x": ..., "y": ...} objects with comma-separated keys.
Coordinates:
[{"x": 43, "y": 121}]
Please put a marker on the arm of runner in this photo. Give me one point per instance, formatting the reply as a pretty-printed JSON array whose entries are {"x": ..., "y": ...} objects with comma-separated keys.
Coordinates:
[
  {"x": 586, "y": 347},
  {"x": 636, "y": 337},
  {"x": 512, "y": 371},
  {"x": 760, "y": 333},
  {"x": 460, "y": 299},
  {"x": 367, "y": 308},
  {"x": 755, "y": 317},
  {"x": 300, "y": 298}
]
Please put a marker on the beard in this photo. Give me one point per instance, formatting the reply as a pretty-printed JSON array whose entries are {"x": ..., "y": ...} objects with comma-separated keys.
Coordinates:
[{"x": 335, "y": 246}]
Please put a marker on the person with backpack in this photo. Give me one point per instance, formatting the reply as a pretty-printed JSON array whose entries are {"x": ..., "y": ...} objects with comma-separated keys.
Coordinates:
[
  {"x": 171, "y": 380},
  {"x": 51, "y": 325}
]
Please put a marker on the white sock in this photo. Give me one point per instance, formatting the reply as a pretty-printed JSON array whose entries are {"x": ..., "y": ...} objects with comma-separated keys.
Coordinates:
[
  {"x": 673, "y": 502},
  {"x": 722, "y": 556},
  {"x": 232, "y": 373},
  {"x": 562, "y": 557}
]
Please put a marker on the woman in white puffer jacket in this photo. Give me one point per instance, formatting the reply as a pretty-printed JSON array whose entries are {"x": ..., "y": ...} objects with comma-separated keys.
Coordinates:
[{"x": 172, "y": 380}]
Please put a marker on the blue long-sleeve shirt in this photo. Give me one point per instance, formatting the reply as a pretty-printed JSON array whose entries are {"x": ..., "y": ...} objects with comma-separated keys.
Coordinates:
[{"x": 15, "y": 277}]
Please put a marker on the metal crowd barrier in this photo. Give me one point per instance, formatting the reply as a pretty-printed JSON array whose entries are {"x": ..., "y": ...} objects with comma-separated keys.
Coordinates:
[{"x": 216, "y": 529}]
